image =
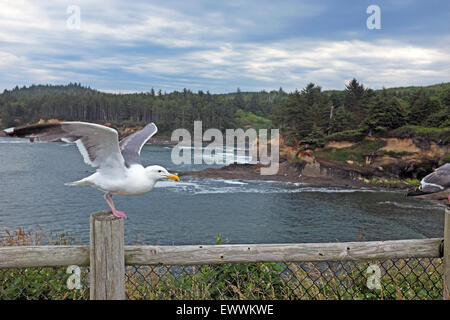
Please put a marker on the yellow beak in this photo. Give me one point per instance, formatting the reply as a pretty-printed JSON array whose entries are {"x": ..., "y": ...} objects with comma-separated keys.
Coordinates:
[{"x": 173, "y": 177}]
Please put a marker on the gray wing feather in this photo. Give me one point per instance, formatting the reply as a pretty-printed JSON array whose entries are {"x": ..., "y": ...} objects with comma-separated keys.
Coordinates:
[
  {"x": 99, "y": 145},
  {"x": 131, "y": 146},
  {"x": 437, "y": 181}
]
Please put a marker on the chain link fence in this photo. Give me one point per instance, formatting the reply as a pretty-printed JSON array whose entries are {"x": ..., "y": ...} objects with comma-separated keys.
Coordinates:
[
  {"x": 43, "y": 283},
  {"x": 415, "y": 278},
  {"x": 388, "y": 279}
]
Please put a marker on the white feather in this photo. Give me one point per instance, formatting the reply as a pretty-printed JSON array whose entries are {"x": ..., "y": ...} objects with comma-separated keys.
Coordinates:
[{"x": 83, "y": 152}]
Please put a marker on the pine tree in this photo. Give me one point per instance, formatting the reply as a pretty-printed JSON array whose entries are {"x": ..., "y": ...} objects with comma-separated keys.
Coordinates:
[{"x": 384, "y": 114}]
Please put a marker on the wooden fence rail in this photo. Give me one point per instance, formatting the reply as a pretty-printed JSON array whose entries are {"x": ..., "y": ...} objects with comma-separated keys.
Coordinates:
[
  {"x": 47, "y": 256},
  {"x": 107, "y": 256}
]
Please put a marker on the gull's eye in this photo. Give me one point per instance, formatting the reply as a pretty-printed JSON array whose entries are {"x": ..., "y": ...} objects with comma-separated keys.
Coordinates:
[{"x": 159, "y": 171}]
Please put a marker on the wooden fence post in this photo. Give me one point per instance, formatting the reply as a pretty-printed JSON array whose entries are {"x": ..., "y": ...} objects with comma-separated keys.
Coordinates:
[
  {"x": 107, "y": 259},
  {"x": 446, "y": 293}
]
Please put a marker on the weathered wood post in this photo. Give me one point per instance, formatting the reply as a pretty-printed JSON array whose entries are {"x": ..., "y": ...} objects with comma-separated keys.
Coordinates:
[
  {"x": 107, "y": 260},
  {"x": 446, "y": 294}
]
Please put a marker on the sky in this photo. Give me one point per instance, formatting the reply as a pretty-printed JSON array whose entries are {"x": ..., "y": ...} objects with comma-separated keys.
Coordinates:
[{"x": 133, "y": 46}]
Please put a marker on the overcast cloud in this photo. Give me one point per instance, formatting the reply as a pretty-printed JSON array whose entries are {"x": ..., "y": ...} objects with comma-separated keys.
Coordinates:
[{"x": 219, "y": 46}]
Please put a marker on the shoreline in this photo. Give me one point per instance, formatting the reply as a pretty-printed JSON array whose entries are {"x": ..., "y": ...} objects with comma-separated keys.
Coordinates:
[
  {"x": 288, "y": 174},
  {"x": 251, "y": 172}
]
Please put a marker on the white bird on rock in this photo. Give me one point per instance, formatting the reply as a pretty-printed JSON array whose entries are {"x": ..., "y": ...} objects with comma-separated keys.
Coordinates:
[{"x": 119, "y": 168}]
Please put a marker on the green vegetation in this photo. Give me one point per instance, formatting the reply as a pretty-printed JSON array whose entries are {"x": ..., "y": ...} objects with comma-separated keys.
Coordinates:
[
  {"x": 438, "y": 135},
  {"x": 250, "y": 120},
  {"x": 39, "y": 284},
  {"x": 349, "y": 114},
  {"x": 400, "y": 279},
  {"x": 169, "y": 110},
  {"x": 355, "y": 153},
  {"x": 404, "y": 279},
  {"x": 388, "y": 182},
  {"x": 316, "y": 139},
  {"x": 357, "y": 112},
  {"x": 394, "y": 154},
  {"x": 347, "y": 135}
]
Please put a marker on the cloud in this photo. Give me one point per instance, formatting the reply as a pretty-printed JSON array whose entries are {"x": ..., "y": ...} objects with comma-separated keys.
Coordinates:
[
  {"x": 296, "y": 62},
  {"x": 210, "y": 46}
]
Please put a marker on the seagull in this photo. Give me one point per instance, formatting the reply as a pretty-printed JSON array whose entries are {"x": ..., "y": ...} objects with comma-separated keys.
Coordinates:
[
  {"x": 438, "y": 180},
  {"x": 119, "y": 169}
]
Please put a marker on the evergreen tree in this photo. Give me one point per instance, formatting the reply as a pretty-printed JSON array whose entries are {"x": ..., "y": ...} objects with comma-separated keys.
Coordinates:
[
  {"x": 315, "y": 139},
  {"x": 356, "y": 101},
  {"x": 385, "y": 113}
]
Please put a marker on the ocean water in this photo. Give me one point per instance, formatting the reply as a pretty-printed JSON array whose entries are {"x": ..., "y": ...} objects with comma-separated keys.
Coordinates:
[{"x": 195, "y": 211}]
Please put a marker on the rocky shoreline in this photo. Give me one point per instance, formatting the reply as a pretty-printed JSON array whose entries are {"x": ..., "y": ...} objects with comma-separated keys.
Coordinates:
[
  {"x": 292, "y": 172},
  {"x": 288, "y": 172}
]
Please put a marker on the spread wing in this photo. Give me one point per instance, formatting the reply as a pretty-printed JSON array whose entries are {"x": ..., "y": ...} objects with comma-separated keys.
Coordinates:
[
  {"x": 99, "y": 145},
  {"x": 131, "y": 146},
  {"x": 436, "y": 181}
]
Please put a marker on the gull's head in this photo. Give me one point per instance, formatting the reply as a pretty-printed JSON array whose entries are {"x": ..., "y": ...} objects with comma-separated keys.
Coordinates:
[{"x": 157, "y": 173}]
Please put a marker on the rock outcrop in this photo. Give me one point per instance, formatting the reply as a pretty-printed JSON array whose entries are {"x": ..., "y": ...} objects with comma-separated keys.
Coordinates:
[{"x": 399, "y": 158}]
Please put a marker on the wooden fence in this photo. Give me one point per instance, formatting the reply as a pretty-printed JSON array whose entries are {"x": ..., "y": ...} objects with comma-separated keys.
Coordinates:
[{"x": 107, "y": 255}]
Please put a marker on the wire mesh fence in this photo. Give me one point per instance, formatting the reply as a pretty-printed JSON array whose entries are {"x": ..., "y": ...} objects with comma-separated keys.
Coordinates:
[
  {"x": 415, "y": 278},
  {"x": 43, "y": 283},
  {"x": 388, "y": 279}
]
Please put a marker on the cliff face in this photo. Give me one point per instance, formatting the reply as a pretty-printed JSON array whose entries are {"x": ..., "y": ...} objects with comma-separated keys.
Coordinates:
[
  {"x": 379, "y": 157},
  {"x": 422, "y": 148}
]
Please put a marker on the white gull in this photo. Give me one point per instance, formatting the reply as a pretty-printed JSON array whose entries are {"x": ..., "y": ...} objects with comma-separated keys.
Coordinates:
[{"x": 119, "y": 169}]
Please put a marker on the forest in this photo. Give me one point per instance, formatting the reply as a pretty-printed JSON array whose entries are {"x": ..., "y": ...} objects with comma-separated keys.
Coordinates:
[{"x": 310, "y": 116}]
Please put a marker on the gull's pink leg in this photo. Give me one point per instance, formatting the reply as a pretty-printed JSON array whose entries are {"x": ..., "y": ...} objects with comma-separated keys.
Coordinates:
[
  {"x": 118, "y": 212},
  {"x": 110, "y": 202}
]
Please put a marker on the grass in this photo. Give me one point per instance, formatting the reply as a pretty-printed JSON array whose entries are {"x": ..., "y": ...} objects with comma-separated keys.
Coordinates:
[
  {"x": 250, "y": 120},
  {"x": 400, "y": 280},
  {"x": 419, "y": 278},
  {"x": 37, "y": 283},
  {"x": 347, "y": 135},
  {"x": 394, "y": 154},
  {"x": 388, "y": 182},
  {"x": 438, "y": 135},
  {"x": 355, "y": 153}
]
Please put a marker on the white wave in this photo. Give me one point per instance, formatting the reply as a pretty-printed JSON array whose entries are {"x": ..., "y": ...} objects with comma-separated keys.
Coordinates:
[
  {"x": 21, "y": 141},
  {"x": 221, "y": 158},
  {"x": 297, "y": 184},
  {"x": 230, "y": 190},
  {"x": 235, "y": 182},
  {"x": 273, "y": 190},
  {"x": 334, "y": 190},
  {"x": 10, "y": 140},
  {"x": 14, "y": 141},
  {"x": 170, "y": 184},
  {"x": 222, "y": 186}
]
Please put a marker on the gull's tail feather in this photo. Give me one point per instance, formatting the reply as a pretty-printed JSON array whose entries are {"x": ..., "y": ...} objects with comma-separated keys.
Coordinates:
[{"x": 82, "y": 182}]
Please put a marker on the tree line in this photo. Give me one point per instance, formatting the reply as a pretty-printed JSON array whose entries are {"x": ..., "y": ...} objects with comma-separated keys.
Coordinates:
[
  {"x": 169, "y": 110},
  {"x": 309, "y": 115}
]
